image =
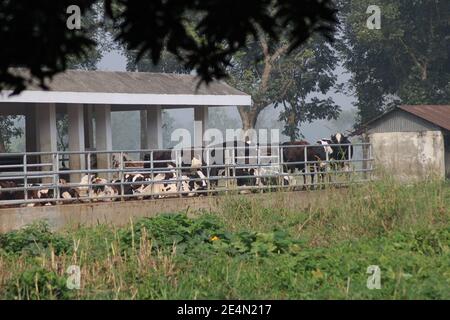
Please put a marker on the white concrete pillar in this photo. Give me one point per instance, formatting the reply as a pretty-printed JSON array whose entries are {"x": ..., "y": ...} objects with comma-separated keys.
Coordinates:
[
  {"x": 154, "y": 128},
  {"x": 31, "y": 133},
  {"x": 47, "y": 133},
  {"x": 143, "y": 127},
  {"x": 46, "y": 123},
  {"x": 200, "y": 124},
  {"x": 103, "y": 136},
  {"x": 75, "y": 113},
  {"x": 89, "y": 127}
]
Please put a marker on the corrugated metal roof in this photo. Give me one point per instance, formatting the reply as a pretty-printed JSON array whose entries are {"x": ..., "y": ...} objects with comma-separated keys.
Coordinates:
[
  {"x": 133, "y": 82},
  {"x": 399, "y": 120},
  {"x": 436, "y": 114}
]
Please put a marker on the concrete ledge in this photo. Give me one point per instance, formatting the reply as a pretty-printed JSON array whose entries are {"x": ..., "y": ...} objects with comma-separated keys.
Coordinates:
[{"x": 119, "y": 213}]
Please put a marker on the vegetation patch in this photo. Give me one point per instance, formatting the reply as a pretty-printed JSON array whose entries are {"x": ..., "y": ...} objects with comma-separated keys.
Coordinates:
[
  {"x": 34, "y": 239},
  {"x": 37, "y": 283},
  {"x": 248, "y": 251}
]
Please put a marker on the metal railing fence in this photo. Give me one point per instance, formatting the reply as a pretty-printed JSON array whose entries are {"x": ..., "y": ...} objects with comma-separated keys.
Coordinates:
[{"x": 44, "y": 177}]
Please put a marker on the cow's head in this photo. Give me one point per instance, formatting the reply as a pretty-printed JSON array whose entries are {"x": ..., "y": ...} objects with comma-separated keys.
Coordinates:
[
  {"x": 339, "y": 138},
  {"x": 101, "y": 184},
  {"x": 342, "y": 152},
  {"x": 45, "y": 193},
  {"x": 196, "y": 163},
  {"x": 326, "y": 146}
]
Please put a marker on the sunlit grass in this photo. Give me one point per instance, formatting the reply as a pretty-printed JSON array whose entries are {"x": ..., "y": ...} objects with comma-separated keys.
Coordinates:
[{"x": 249, "y": 249}]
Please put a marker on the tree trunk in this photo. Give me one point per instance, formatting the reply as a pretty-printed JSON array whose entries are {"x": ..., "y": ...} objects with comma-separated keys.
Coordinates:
[
  {"x": 248, "y": 117},
  {"x": 249, "y": 121}
]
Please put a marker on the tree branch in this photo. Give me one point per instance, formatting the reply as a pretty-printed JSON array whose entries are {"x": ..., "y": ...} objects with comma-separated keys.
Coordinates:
[
  {"x": 281, "y": 50},
  {"x": 267, "y": 64},
  {"x": 422, "y": 66}
]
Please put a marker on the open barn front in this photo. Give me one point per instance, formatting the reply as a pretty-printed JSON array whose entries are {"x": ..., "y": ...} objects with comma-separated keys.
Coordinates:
[{"x": 92, "y": 170}]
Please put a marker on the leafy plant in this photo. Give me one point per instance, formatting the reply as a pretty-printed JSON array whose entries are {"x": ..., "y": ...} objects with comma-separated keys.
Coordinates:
[
  {"x": 258, "y": 243},
  {"x": 37, "y": 283},
  {"x": 168, "y": 230},
  {"x": 34, "y": 239}
]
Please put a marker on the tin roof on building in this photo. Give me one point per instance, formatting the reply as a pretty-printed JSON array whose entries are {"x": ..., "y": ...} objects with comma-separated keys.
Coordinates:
[
  {"x": 134, "y": 83},
  {"x": 438, "y": 115},
  {"x": 128, "y": 88}
]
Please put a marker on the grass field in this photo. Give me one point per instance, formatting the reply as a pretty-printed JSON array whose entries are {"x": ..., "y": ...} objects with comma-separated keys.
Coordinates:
[{"x": 247, "y": 251}]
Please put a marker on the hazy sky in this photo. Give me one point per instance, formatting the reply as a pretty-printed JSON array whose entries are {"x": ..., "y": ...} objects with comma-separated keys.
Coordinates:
[{"x": 115, "y": 61}]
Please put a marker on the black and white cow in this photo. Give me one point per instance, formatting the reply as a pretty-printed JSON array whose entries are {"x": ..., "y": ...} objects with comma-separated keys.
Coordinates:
[
  {"x": 339, "y": 151},
  {"x": 45, "y": 193},
  {"x": 191, "y": 162},
  {"x": 342, "y": 153},
  {"x": 167, "y": 184},
  {"x": 103, "y": 190}
]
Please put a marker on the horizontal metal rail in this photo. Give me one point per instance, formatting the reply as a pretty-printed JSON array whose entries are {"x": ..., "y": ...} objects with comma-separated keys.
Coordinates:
[{"x": 20, "y": 183}]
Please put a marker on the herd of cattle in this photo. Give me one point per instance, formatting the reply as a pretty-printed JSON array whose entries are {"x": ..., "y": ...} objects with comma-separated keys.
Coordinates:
[{"x": 159, "y": 176}]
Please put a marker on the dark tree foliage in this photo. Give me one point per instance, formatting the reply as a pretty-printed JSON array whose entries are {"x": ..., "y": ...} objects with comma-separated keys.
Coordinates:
[
  {"x": 34, "y": 35},
  {"x": 204, "y": 35},
  {"x": 273, "y": 77},
  {"x": 406, "y": 61},
  {"x": 37, "y": 37},
  {"x": 7, "y": 131}
]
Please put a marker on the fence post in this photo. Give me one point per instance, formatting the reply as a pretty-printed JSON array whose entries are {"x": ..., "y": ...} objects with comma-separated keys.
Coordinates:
[
  {"x": 225, "y": 166},
  {"x": 234, "y": 164},
  {"x": 208, "y": 171},
  {"x": 178, "y": 164},
  {"x": 152, "y": 188},
  {"x": 258, "y": 165},
  {"x": 56, "y": 175},
  {"x": 121, "y": 177},
  {"x": 25, "y": 177},
  {"x": 89, "y": 177},
  {"x": 281, "y": 166},
  {"x": 327, "y": 176},
  {"x": 306, "y": 166},
  {"x": 350, "y": 163}
]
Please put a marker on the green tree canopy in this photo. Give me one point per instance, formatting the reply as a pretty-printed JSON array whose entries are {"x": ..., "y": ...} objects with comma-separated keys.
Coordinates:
[
  {"x": 88, "y": 61},
  {"x": 272, "y": 76},
  {"x": 406, "y": 61}
]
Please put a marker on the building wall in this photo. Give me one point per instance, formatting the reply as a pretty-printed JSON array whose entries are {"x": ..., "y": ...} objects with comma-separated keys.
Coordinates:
[
  {"x": 447, "y": 154},
  {"x": 409, "y": 156},
  {"x": 122, "y": 212}
]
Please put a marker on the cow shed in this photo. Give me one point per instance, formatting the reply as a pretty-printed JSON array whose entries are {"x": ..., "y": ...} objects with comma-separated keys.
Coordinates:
[
  {"x": 89, "y": 97},
  {"x": 411, "y": 142}
]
